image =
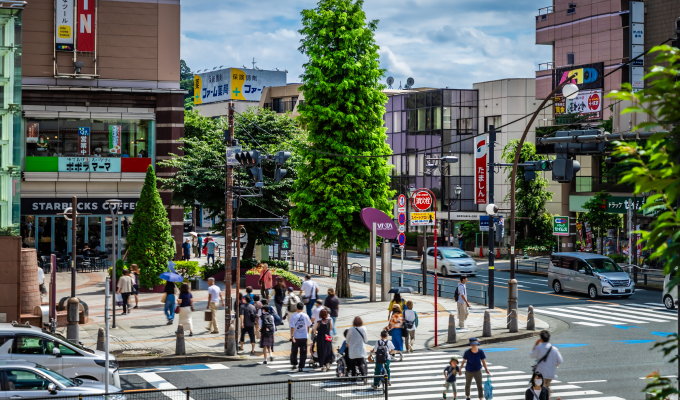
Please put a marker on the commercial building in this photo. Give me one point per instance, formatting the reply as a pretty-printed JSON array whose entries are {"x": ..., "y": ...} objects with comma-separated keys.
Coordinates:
[{"x": 100, "y": 102}]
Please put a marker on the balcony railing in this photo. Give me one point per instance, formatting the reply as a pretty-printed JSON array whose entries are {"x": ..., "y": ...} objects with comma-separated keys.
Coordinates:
[
  {"x": 546, "y": 66},
  {"x": 546, "y": 10},
  {"x": 598, "y": 183},
  {"x": 282, "y": 106}
]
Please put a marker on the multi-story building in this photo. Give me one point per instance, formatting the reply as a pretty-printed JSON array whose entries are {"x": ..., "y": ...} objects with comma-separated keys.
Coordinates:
[{"x": 100, "y": 102}]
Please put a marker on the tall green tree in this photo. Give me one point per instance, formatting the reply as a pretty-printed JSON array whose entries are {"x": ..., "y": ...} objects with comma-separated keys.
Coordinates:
[
  {"x": 343, "y": 112},
  {"x": 149, "y": 242},
  {"x": 535, "y": 226},
  {"x": 199, "y": 180},
  {"x": 598, "y": 217},
  {"x": 186, "y": 82},
  {"x": 657, "y": 170}
]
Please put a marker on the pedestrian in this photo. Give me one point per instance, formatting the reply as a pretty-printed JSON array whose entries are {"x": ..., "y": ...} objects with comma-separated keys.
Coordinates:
[
  {"x": 356, "y": 339},
  {"x": 395, "y": 300},
  {"x": 318, "y": 306},
  {"x": 475, "y": 358},
  {"x": 199, "y": 245},
  {"x": 451, "y": 239},
  {"x": 410, "y": 325},
  {"x": 450, "y": 373},
  {"x": 214, "y": 298},
  {"x": 125, "y": 289},
  {"x": 248, "y": 320},
  {"x": 186, "y": 250},
  {"x": 211, "y": 246},
  {"x": 299, "y": 328},
  {"x": 169, "y": 300},
  {"x": 547, "y": 357},
  {"x": 258, "y": 306},
  {"x": 324, "y": 341},
  {"x": 291, "y": 301},
  {"x": 395, "y": 328},
  {"x": 41, "y": 281},
  {"x": 186, "y": 306},
  {"x": 194, "y": 245},
  {"x": 333, "y": 304},
  {"x": 383, "y": 350},
  {"x": 279, "y": 295},
  {"x": 265, "y": 281},
  {"x": 308, "y": 293},
  {"x": 462, "y": 303},
  {"x": 461, "y": 240},
  {"x": 268, "y": 328},
  {"x": 134, "y": 274},
  {"x": 538, "y": 389}
]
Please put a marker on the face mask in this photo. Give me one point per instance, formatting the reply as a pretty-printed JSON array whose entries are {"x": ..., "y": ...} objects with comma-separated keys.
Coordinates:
[{"x": 538, "y": 382}]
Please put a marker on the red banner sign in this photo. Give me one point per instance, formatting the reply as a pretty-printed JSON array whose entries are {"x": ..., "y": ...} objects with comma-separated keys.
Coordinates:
[
  {"x": 85, "y": 25},
  {"x": 480, "y": 169},
  {"x": 421, "y": 200}
]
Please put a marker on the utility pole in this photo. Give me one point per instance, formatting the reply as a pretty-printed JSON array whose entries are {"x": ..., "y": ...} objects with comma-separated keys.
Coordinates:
[
  {"x": 492, "y": 225},
  {"x": 229, "y": 333}
]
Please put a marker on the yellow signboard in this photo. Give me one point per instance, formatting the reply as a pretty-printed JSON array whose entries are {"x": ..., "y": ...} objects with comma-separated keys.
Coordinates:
[{"x": 422, "y": 218}]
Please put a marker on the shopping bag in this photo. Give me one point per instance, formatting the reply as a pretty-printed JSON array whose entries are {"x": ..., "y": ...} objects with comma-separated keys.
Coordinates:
[
  {"x": 488, "y": 389},
  {"x": 119, "y": 299}
]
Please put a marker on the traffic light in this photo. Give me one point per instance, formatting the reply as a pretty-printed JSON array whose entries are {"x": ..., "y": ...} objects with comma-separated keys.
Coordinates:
[
  {"x": 284, "y": 238},
  {"x": 531, "y": 166},
  {"x": 280, "y": 159},
  {"x": 564, "y": 170},
  {"x": 252, "y": 161}
]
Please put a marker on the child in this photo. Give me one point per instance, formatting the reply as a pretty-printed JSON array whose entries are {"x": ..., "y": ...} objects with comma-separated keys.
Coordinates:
[
  {"x": 450, "y": 375},
  {"x": 383, "y": 349}
]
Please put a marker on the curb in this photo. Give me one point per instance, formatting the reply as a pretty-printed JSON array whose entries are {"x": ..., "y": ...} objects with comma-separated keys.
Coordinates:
[
  {"x": 136, "y": 362},
  {"x": 491, "y": 340}
]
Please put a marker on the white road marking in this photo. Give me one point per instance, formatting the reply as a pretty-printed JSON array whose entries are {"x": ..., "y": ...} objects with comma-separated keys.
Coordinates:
[
  {"x": 574, "y": 383},
  {"x": 159, "y": 383},
  {"x": 587, "y": 323}
]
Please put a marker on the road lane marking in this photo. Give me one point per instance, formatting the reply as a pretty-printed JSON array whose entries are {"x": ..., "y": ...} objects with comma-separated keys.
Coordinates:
[
  {"x": 603, "y": 318},
  {"x": 574, "y": 383},
  {"x": 633, "y": 312},
  {"x": 606, "y": 314},
  {"x": 161, "y": 384},
  {"x": 587, "y": 323},
  {"x": 561, "y": 314}
]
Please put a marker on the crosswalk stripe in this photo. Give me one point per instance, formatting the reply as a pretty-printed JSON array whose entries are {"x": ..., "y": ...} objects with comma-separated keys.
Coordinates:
[
  {"x": 440, "y": 389},
  {"x": 439, "y": 378},
  {"x": 393, "y": 365},
  {"x": 598, "y": 314},
  {"x": 407, "y": 358},
  {"x": 646, "y": 310},
  {"x": 562, "y": 314},
  {"x": 393, "y": 374},
  {"x": 660, "y": 310},
  {"x": 656, "y": 304},
  {"x": 159, "y": 383},
  {"x": 620, "y": 314},
  {"x": 515, "y": 397},
  {"x": 438, "y": 381},
  {"x": 587, "y": 323},
  {"x": 633, "y": 312}
]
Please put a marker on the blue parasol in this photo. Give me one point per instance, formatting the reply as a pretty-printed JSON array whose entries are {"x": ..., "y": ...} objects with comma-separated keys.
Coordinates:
[
  {"x": 171, "y": 267},
  {"x": 171, "y": 277}
]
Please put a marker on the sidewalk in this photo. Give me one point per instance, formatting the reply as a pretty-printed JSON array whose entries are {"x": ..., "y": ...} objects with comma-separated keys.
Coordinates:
[{"x": 144, "y": 332}]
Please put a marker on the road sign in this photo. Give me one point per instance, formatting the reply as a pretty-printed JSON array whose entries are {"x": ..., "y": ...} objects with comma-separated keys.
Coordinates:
[
  {"x": 484, "y": 223},
  {"x": 401, "y": 238},
  {"x": 402, "y": 218},
  {"x": 421, "y": 200},
  {"x": 401, "y": 228},
  {"x": 401, "y": 247},
  {"x": 560, "y": 226},
  {"x": 422, "y": 218},
  {"x": 401, "y": 209},
  {"x": 402, "y": 201}
]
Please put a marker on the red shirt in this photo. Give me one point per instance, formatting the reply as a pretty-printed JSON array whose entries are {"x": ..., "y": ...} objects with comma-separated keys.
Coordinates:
[{"x": 266, "y": 278}]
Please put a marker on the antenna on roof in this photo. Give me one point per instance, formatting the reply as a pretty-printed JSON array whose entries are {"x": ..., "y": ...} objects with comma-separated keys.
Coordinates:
[
  {"x": 254, "y": 62},
  {"x": 390, "y": 81},
  {"x": 409, "y": 83}
]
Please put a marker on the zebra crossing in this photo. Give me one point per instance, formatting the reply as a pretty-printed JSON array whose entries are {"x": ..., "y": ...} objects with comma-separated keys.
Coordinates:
[
  {"x": 419, "y": 376},
  {"x": 600, "y": 314}
]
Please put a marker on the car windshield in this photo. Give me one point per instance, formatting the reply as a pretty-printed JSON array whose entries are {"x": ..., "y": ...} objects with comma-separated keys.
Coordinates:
[
  {"x": 451, "y": 253},
  {"x": 604, "y": 265},
  {"x": 56, "y": 376}
]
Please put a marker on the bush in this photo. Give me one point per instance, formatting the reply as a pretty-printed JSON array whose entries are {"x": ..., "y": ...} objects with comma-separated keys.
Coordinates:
[
  {"x": 278, "y": 264},
  {"x": 278, "y": 272},
  {"x": 187, "y": 269},
  {"x": 412, "y": 238},
  {"x": 619, "y": 258},
  {"x": 209, "y": 270},
  {"x": 250, "y": 263}
]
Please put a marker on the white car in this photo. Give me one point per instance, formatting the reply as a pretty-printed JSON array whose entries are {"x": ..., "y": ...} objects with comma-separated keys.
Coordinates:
[
  {"x": 29, "y": 343},
  {"x": 669, "y": 298},
  {"x": 451, "y": 261}
]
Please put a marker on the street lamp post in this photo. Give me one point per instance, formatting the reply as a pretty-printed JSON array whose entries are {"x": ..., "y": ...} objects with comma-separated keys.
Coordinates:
[{"x": 113, "y": 204}]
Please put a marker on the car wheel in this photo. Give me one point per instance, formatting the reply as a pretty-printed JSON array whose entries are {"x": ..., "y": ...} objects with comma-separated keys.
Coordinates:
[
  {"x": 557, "y": 287},
  {"x": 668, "y": 302},
  {"x": 444, "y": 272},
  {"x": 592, "y": 291}
]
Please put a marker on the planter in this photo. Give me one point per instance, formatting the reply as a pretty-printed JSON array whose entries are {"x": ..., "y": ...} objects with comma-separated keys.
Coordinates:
[
  {"x": 538, "y": 253},
  {"x": 155, "y": 289},
  {"x": 219, "y": 277},
  {"x": 252, "y": 280}
]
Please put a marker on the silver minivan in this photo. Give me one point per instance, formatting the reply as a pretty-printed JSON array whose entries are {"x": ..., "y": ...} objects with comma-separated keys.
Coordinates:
[
  {"x": 29, "y": 343},
  {"x": 593, "y": 274}
]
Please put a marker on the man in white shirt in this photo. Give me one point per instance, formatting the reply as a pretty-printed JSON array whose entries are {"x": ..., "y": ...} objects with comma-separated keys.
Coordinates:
[
  {"x": 299, "y": 328},
  {"x": 214, "y": 298},
  {"x": 463, "y": 305},
  {"x": 318, "y": 306},
  {"x": 547, "y": 366},
  {"x": 41, "y": 281},
  {"x": 309, "y": 290}
]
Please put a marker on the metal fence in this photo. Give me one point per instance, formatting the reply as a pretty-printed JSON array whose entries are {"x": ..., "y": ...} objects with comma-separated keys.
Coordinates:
[{"x": 312, "y": 389}]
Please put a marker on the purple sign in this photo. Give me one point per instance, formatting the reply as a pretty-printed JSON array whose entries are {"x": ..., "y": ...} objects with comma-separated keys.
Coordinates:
[{"x": 385, "y": 227}]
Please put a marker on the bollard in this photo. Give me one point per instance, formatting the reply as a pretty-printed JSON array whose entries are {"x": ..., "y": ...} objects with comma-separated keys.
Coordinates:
[
  {"x": 512, "y": 305},
  {"x": 100, "y": 339},
  {"x": 230, "y": 347},
  {"x": 180, "y": 349},
  {"x": 452, "y": 329},
  {"x": 486, "y": 331},
  {"x": 512, "y": 322},
  {"x": 72, "y": 308},
  {"x": 531, "y": 324}
]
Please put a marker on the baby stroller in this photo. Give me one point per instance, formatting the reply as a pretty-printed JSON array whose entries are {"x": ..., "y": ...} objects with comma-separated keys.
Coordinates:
[
  {"x": 313, "y": 355},
  {"x": 341, "y": 364}
]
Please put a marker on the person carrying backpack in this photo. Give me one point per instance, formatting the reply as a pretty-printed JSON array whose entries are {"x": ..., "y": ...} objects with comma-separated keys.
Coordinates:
[
  {"x": 383, "y": 350},
  {"x": 267, "y": 330},
  {"x": 410, "y": 325},
  {"x": 290, "y": 302}
]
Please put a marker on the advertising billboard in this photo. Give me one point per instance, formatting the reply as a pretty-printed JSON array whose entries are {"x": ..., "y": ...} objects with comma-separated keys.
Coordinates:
[
  {"x": 588, "y": 103},
  {"x": 480, "y": 169},
  {"x": 64, "y": 25},
  {"x": 234, "y": 84},
  {"x": 587, "y": 75},
  {"x": 85, "y": 21}
]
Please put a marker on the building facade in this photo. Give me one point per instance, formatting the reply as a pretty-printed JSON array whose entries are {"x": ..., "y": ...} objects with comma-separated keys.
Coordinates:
[{"x": 97, "y": 109}]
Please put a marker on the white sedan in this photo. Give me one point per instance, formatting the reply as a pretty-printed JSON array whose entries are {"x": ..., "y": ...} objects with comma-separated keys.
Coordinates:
[{"x": 451, "y": 261}]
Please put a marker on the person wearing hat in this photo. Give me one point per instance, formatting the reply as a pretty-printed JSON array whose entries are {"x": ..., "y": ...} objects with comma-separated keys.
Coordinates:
[
  {"x": 473, "y": 360},
  {"x": 290, "y": 301},
  {"x": 450, "y": 373}
]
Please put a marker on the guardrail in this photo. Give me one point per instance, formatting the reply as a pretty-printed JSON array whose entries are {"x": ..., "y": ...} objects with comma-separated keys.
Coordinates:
[
  {"x": 649, "y": 276},
  {"x": 536, "y": 264}
]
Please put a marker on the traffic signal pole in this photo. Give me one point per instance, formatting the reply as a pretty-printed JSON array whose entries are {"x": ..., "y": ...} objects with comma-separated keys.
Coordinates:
[
  {"x": 229, "y": 332},
  {"x": 492, "y": 140}
]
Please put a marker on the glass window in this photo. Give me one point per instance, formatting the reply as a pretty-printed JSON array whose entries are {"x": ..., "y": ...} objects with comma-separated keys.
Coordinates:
[
  {"x": 422, "y": 119},
  {"x": 604, "y": 265},
  {"x": 411, "y": 101},
  {"x": 420, "y": 100},
  {"x": 387, "y": 122},
  {"x": 495, "y": 121},
  {"x": 67, "y": 351},
  {"x": 428, "y": 99},
  {"x": 94, "y": 228},
  {"x": 396, "y": 116},
  {"x": 69, "y": 142},
  {"x": 19, "y": 379},
  {"x": 33, "y": 345},
  {"x": 56, "y": 376},
  {"x": 28, "y": 231},
  {"x": 61, "y": 233},
  {"x": 447, "y": 117},
  {"x": 436, "y": 99},
  {"x": 437, "y": 118},
  {"x": 135, "y": 138},
  {"x": 125, "y": 224},
  {"x": 44, "y": 235},
  {"x": 413, "y": 121},
  {"x": 80, "y": 235},
  {"x": 99, "y": 137},
  {"x": 465, "y": 126},
  {"x": 42, "y": 137}
]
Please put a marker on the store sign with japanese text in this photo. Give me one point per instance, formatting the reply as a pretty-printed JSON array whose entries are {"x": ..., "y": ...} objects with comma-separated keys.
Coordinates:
[
  {"x": 234, "y": 84},
  {"x": 64, "y": 25},
  {"x": 588, "y": 103},
  {"x": 84, "y": 141},
  {"x": 88, "y": 164},
  {"x": 32, "y": 132},
  {"x": 114, "y": 139},
  {"x": 480, "y": 169},
  {"x": 86, "y": 25}
]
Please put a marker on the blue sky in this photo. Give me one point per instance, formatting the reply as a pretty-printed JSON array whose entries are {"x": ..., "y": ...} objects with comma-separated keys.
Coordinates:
[{"x": 439, "y": 43}]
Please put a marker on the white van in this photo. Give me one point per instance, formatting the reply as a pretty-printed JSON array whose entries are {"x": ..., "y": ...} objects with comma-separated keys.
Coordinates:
[
  {"x": 669, "y": 297},
  {"x": 593, "y": 274}
]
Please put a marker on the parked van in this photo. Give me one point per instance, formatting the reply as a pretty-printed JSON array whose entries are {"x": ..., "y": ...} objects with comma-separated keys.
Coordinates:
[
  {"x": 669, "y": 297},
  {"x": 29, "y": 343},
  {"x": 593, "y": 274}
]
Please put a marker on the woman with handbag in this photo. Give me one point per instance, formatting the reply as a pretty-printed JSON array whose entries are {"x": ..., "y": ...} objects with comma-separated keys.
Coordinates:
[
  {"x": 356, "y": 339},
  {"x": 185, "y": 307},
  {"x": 324, "y": 340},
  {"x": 169, "y": 301},
  {"x": 279, "y": 295}
]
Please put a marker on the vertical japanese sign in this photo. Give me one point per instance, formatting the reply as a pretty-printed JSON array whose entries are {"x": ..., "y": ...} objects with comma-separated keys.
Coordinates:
[
  {"x": 32, "y": 132},
  {"x": 64, "y": 25},
  {"x": 114, "y": 139},
  {"x": 84, "y": 141},
  {"x": 560, "y": 226},
  {"x": 85, "y": 25},
  {"x": 480, "y": 169},
  {"x": 637, "y": 43}
]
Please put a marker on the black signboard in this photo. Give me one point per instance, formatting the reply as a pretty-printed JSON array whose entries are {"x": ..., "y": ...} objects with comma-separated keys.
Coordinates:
[
  {"x": 54, "y": 206},
  {"x": 589, "y": 76}
]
